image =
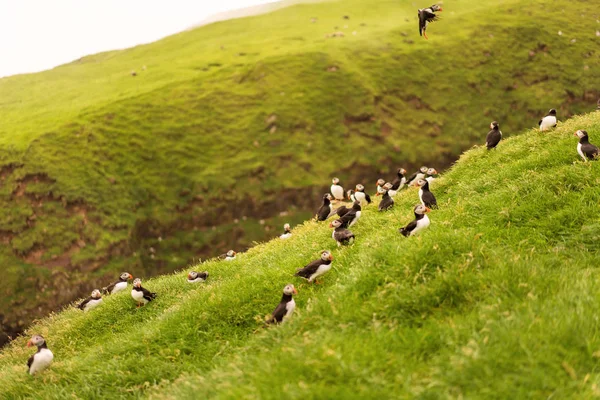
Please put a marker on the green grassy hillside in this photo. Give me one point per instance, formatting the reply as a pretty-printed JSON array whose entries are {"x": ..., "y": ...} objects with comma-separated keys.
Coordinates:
[
  {"x": 497, "y": 299},
  {"x": 102, "y": 172}
]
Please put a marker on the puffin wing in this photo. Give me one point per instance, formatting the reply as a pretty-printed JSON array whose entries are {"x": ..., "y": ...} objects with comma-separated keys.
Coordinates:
[
  {"x": 109, "y": 288},
  {"x": 368, "y": 198},
  {"x": 589, "y": 150},
  {"x": 492, "y": 139},
  {"x": 83, "y": 303},
  {"x": 148, "y": 295},
  {"x": 343, "y": 235},
  {"x": 279, "y": 312},
  {"x": 408, "y": 228},
  {"x": 348, "y": 217},
  {"x": 412, "y": 177},
  {"x": 343, "y": 210},
  {"x": 323, "y": 213},
  {"x": 429, "y": 200},
  {"x": 310, "y": 269},
  {"x": 396, "y": 184}
]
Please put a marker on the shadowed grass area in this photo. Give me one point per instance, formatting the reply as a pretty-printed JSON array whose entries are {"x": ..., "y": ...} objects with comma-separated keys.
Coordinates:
[
  {"x": 251, "y": 117},
  {"x": 496, "y": 299}
]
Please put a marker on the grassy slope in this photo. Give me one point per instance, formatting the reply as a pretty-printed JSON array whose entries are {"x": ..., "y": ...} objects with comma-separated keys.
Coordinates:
[
  {"x": 496, "y": 300},
  {"x": 99, "y": 165}
]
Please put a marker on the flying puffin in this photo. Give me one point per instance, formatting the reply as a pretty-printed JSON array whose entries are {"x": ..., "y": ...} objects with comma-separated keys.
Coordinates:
[
  {"x": 229, "y": 256},
  {"x": 420, "y": 174},
  {"x": 585, "y": 149},
  {"x": 494, "y": 136},
  {"x": 421, "y": 221},
  {"x": 432, "y": 175},
  {"x": 325, "y": 209},
  {"x": 316, "y": 268},
  {"x": 360, "y": 195},
  {"x": 285, "y": 308},
  {"x": 287, "y": 232},
  {"x": 341, "y": 234},
  {"x": 549, "y": 121},
  {"x": 195, "y": 277},
  {"x": 42, "y": 358},
  {"x": 386, "y": 202},
  {"x": 398, "y": 183},
  {"x": 119, "y": 285},
  {"x": 427, "y": 15},
  {"x": 91, "y": 302},
  {"x": 427, "y": 198},
  {"x": 140, "y": 295},
  {"x": 336, "y": 190}
]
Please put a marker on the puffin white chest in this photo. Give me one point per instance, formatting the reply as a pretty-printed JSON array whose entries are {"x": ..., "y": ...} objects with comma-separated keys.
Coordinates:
[
  {"x": 322, "y": 269},
  {"x": 229, "y": 258},
  {"x": 430, "y": 179},
  {"x": 581, "y": 152},
  {"x": 338, "y": 192},
  {"x": 547, "y": 122},
  {"x": 92, "y": 304},
  {"x": 423, "y": 223},
  {"x": 421, "y": 196},
  {"x": 355, "y": 218},
  {"x": 138, "y": 296},
  {"x": 289, "y": 308},
  {"x": 119, "y": 287},
  {"x": 41, "y": 361},
  {"x": 360, "y": 196},
  {"x": 285, "y": 235}
]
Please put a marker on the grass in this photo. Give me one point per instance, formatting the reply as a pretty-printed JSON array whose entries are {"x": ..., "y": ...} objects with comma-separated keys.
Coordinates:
[
  {"x": 496, "y": 299},
  {"x": 99, "y": 166}
]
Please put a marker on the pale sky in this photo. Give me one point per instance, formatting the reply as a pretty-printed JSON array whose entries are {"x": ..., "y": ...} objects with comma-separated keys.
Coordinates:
[{"x": 40, "y": 34}]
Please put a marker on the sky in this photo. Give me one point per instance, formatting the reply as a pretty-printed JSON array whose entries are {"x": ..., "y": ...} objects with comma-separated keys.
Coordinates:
[{"x": 36, "y": 35}]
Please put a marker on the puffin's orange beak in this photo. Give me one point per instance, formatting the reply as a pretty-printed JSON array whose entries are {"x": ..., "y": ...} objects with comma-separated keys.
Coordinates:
[
  {"x": 331, "y": 225},
  {"x": 295, "y": 291},
  {"x": 189, "y": 276},
  {"x": 575, "y": 134},
  {"x": 427, "y": 209},
  {"x": 130, "y": 276},
  {"x": 415, "y": 184},
  {"x": 330, "y": 257},
  {"x": 377, "y": 194},
  {"x": 440, "y": 9},
  {"x": 29, "y": 343}
]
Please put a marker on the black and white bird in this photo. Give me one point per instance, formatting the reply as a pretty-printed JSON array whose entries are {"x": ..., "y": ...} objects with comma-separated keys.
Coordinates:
[
  {"x": 549, "y": 121},
  {"x": 399, "y": 182},
  {"x": 325, "y": 209},
  {"x": 351, "y": 215},
  {"x": 91, "y": 302},
  {"x": 316, "y": 268},
  {"x": 119, "y": 285},
  {"x": 431, "y": 175},
  {"x": 229, "y": 256},
  {"x": 340, "y": 234},
  {"x": 336, "y": 190},
  {"x": 427, "y": 15},
  {"x": 494, "y": 136},
  {"x": 360, "y": 195},
  {"x": 420, "y": 222},
  {"x": 350, "y": 195},
  {"x": 343, "y": 210},
  {"x": 585, "y": 149},
  {"x": 420, "y": 174},
  {"x": 42, "y": 358},
  {"x": 427, "y": 198},
  {"x": 286, "y": 306},
  {"x": 380, "y": 183},
  {"x": 386, "y": 201},
  {"x": 287, "y": 232},
  {"x": 195, "y": 277},
  {"x": 141, "y": 295}
]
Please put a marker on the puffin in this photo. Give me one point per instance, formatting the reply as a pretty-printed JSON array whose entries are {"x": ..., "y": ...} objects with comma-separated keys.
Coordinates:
[
  {"x": 350, "y": 195},
  {"x": 549, "y": 121},
  {"x": 427, "y": 15},
  {"x": 287, "y": 232},
  {"x": 420, "y": 174},
  {"x": 432, "y": 175},
  {"x": 341, "y": 234},
  {"x": 341, "y": 211},
  {"x": 360, "y": 195},
  {"x": 195, "y": 277},
  {"x": 91, "y": 302},
  {"x": 585, "y": 149},
  {"x": 229, "y": 256},
  {"x": 325, "y": 209},
  {"x": 42, "y": 358},
  {"x": 421, "y": 221},
  {"x": 316, "y": 268},
  {"x": 286, "y": 306},
  {"x": 427, "y": 198},
  {"x": 352, "y": 215},
  {"x": 336, "y": 190},
  {"x": 399, "y": 182},
  {"x": 119, "y": 285},
  {"x": 494, "y": 136},
  {"x": 141, "y": 295},
  {"x": 386, "y": 202},
  {"x": 380, "y": 183}
]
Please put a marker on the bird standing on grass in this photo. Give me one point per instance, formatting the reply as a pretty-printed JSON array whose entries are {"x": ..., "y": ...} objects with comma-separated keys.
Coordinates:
[
  {"x": 549, "y": 121},
  {"x": 427, "y": 198},
  {"x": 427, "y": 15},
  {"x": 195, "y": 277},
  {"x": 386, "y": 201},
  {"x": 325, "y": 209},
  {"x": 399, "y": 182},
  {"x": 91, "y": 302},
  {"x": 229, "y": 256},
  {"x": 286, "y": 306},
  {"x": 585, "y": 149},
  {"x": 119, "y": 285},
  {"x": 361, "y": 196},
  {"x": 336, "y": 190},
  {"x": 340, "y": 234},
  {"x": 494, "y": 136},
  {"x": 420, "y": 174},
  {"x": 42, "y": 358},
  {"x": 316, "y": 268},
  {"x": 287, "y": 232},
  {"x": 420, "y": 222},
  {"x": 141, "y": 295}
]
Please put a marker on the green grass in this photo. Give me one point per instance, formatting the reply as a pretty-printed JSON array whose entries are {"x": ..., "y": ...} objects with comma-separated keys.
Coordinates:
[
  {"x": 497, "y": 299},
  {"x": 98, "y": 165}
]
